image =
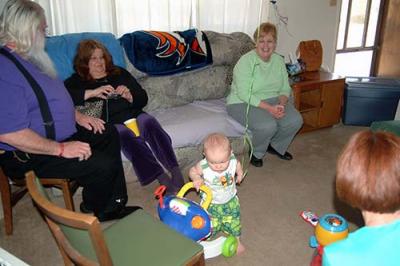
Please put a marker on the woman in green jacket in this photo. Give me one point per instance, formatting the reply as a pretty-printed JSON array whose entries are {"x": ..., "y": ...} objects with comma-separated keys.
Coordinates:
[{"x": 259, "y": 98}]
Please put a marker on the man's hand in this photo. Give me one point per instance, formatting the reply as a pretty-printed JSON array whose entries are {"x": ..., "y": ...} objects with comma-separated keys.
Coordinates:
[
  {"x": 90, "y": 123},
  {"x": 29, "y": 141},
  {"x": 76, "y": 149}
]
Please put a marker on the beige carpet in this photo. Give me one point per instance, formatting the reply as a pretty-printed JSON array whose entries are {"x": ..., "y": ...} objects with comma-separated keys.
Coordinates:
[{"x": 271, "y": 199}]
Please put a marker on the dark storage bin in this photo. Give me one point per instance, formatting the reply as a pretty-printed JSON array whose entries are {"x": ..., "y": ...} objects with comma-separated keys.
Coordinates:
[{"x": 369, "y": 99}]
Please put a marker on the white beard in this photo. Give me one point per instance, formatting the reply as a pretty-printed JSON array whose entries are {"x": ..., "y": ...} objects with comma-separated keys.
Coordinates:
[{"x": 38, "y": 56}]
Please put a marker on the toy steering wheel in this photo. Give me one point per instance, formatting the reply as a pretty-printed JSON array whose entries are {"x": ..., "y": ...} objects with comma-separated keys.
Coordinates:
[{"x": 203, "y": 188}]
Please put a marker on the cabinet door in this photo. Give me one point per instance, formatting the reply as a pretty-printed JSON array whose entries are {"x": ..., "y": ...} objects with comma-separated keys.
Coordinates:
[{"x": 331, "y": 105}]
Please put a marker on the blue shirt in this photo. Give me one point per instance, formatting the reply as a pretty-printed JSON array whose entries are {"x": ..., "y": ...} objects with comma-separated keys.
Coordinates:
[
  {"x": 19, "y": 107},
  {"x": 368, "y": 246}
]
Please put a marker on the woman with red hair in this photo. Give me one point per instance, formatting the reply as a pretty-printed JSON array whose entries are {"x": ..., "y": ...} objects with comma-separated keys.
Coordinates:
[
  {"x": 98, "y": 81},
  {"x": 368, "y": 178}
]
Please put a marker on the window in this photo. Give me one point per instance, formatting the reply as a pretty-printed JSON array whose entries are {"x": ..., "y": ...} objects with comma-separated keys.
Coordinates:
[{"x": 357, "y": 37}]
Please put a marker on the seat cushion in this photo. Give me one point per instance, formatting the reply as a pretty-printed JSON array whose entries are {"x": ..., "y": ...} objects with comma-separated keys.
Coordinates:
[
  {"x": 141, "y": 239},
  {"x": 189, "y": 124}
]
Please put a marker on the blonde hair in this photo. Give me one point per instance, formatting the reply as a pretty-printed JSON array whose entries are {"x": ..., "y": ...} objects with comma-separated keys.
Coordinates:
[
  {"x": 216, "y": 141},
  {"x": 19, "y": 24},
  {"x": 266, "y": 28},
  {"x": 368, "y": 172}
]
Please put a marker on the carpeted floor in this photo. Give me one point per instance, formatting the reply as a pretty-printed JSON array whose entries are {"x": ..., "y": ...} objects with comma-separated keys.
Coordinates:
[{"x": 271, "y": 199}]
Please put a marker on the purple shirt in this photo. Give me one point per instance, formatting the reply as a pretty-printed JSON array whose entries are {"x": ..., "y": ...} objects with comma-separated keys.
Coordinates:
[{"x": 19, "y": 107}]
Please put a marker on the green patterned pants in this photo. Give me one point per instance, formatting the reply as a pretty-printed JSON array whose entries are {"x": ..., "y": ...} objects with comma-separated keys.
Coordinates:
[{"x": 226, "y": 217}]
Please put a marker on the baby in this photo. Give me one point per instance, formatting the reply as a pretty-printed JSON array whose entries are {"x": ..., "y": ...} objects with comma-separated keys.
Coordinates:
[{"x": 217, "y": 171}]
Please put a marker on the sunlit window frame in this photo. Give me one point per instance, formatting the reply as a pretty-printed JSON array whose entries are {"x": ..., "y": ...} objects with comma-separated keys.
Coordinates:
[{"x": 363, "y": 46}]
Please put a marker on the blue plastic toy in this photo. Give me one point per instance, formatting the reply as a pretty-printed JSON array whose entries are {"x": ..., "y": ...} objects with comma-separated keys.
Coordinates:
[
  {"x": 193, "y": 221},
  {"x": 184, "y": 215},
  {"x": 330, "y": 228}
]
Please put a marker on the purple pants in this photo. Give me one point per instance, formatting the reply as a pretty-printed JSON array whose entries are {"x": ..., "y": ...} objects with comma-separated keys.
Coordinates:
[{"x": 153, "y": 144}]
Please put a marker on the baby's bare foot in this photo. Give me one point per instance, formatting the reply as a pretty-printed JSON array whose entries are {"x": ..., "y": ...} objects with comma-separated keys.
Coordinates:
[{"x": 240, "y": 249}]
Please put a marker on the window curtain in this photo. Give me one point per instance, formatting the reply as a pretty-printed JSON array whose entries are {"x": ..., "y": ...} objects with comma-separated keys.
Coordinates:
[
  {"x": 231, "y": 15},
  {"x": 122, "y": 16}
]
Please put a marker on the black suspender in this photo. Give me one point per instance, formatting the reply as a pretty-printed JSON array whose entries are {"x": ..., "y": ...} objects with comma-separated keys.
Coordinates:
[{"x": 43, "y": 104}]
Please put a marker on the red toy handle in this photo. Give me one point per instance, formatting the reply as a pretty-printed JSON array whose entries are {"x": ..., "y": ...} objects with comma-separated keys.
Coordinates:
[{"x": 159, "y": 194}]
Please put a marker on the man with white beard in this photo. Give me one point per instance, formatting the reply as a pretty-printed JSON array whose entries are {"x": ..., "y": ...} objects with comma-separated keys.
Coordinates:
[{"x": 39, "y": 127}]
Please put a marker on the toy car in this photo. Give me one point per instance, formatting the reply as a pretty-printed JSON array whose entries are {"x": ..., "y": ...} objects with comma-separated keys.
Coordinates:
[{"x": 309, "y": 217}]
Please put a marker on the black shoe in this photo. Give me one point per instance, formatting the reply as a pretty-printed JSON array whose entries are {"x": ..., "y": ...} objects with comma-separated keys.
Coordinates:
[
  {"x": 287, "y": 156},
  {"x": 84, "y": 208},
  {"x": 122, "y": 201},
  {"x": 256, "y": 162},
  {"x": 117, "y": 214}
]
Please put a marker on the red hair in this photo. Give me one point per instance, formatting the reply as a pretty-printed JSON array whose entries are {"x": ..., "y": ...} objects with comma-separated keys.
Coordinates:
[{"x": 368, "y": 172}]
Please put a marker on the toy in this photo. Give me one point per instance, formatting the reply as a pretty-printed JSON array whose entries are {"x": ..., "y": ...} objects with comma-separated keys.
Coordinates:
[
  {"x": 184, "y": 215},
  {"x": 309, "y": 217},
  {"x": 329, "y": 228},
  {"x": 193, "y": 221}
]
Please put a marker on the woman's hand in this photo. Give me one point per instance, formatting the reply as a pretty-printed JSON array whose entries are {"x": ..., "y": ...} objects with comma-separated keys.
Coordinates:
[
  {"x": 90, "y": 123},
  {"x": 124, "y": 92},
  {"x": 283, "y": 99},
  {"x": 101, "y": 92},
  {"x": 277, "y": 111}
]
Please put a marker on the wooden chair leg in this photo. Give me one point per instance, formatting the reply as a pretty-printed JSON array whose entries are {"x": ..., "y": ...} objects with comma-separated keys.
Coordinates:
[
  {"x": 9, "y": 199},
  {"x": 67, "y": 186},
  {"x": 69, "y": 202},
  {"x": 6, "y": 203}
]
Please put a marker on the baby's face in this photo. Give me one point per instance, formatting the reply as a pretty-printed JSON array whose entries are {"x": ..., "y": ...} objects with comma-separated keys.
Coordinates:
[{"x": 218, "y": 159}]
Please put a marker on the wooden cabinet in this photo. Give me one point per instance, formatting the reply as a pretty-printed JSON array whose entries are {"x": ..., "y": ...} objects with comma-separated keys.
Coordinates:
[{"x": 318, "y": 96}]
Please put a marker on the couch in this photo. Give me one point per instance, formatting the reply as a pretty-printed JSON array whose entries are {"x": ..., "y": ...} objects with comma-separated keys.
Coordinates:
[{"x": 189, "y": 105}]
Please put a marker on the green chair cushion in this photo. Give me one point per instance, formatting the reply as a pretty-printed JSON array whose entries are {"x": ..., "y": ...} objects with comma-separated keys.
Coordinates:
[
  {"x": 392, "y": 126},
  {"x": 141, "y": 239}
]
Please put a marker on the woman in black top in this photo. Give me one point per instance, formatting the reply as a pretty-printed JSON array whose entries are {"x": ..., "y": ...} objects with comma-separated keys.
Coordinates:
[{"x": 119, "y": 97}]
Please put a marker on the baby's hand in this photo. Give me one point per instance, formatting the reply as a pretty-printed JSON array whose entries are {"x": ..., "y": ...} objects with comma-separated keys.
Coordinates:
[
  {"x": 198, "y": 183},
  {"x": 239, "y": 179}
]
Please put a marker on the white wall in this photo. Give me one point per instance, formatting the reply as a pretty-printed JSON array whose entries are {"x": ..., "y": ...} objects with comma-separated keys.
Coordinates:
[{"x": 307, "y": 20}]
